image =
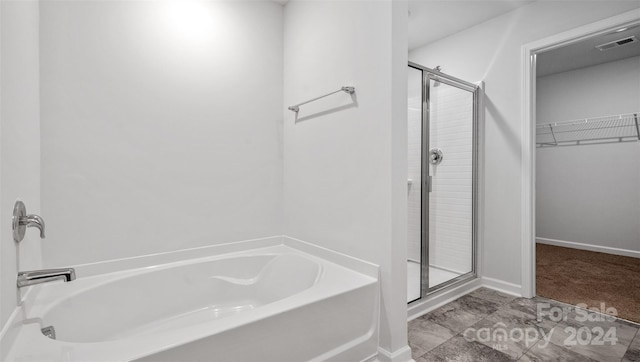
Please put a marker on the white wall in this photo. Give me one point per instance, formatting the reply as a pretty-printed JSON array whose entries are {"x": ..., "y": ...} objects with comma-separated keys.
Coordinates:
[
  {"x": 345, "y": 175},
  {"x": 491, "y": 51},
  {"x": 19, "y": 144},
  {"x": 161, "y": 126},
  {"x": 601, "y": 90},
  {"x": 589, "y": 194}
]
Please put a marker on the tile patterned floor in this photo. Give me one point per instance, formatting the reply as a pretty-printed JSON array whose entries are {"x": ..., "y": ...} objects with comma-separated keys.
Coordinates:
[{"x": 490, "y": 326}]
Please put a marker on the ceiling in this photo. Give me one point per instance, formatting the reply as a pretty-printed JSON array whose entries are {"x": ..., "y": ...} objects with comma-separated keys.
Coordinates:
[
  {"x": 430, "y": 20},
  {"x": 584, "y": 53}
]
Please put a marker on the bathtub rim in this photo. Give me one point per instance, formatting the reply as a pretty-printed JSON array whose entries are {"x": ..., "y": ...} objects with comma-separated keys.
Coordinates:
[
  {"x": 158, "y": 259},
  {"x": 133, "y": 265}
]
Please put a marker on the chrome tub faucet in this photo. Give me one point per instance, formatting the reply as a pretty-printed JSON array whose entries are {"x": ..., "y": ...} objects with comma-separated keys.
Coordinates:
[
  {"x": 21, "y": 221},
  {"x": 27, "y": 278}
]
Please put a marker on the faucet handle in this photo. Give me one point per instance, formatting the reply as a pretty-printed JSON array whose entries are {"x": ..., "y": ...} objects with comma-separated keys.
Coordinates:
[{"x": 21, "y": 221}]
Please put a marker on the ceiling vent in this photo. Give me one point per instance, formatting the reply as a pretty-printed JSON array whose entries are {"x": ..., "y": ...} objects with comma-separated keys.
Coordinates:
[{"x": 617, "y": 43}]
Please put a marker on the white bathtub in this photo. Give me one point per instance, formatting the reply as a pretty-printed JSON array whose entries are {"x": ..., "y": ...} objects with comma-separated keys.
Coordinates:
[{"x": 274, "y": 303}]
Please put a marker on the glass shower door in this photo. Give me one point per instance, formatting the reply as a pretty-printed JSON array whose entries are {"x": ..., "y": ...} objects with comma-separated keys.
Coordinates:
[
  {"x": 442, "y": 158},
  {"x": 449, "y": 163}
]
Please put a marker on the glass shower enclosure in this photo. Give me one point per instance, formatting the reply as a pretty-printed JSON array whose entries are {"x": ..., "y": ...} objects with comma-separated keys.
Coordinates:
[{"x": 442, "y": 185}]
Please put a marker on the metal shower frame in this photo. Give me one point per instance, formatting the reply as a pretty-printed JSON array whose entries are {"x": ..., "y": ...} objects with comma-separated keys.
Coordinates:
[{"x": 427, "y": 75}]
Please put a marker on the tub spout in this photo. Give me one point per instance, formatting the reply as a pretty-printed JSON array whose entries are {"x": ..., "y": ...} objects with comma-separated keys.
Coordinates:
[{"x": 46, "y": 275}]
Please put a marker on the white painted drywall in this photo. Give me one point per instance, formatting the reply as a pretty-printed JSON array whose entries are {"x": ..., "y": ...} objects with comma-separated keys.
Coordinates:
[
  {"x": 345, "y": 174},
  {"x": 491, "y": 51},
  {"x": 161, "y": 126},
  {"x": 589, "y": 194},
  {"x": 19, "y": 144},
  {"x": 601, "y": 90}
]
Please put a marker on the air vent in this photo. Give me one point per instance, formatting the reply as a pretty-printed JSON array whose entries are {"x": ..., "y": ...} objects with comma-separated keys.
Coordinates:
[{"x": 617, "y": 43}]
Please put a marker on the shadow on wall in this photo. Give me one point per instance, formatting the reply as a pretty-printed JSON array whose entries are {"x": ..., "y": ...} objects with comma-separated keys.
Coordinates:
[
  {"x": 353, "y": 104},
  {"x": 512, "y": 138}
]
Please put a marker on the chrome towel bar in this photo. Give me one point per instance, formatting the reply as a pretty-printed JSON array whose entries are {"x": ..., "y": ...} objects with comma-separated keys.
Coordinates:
[{"x": 346, "y": 89}]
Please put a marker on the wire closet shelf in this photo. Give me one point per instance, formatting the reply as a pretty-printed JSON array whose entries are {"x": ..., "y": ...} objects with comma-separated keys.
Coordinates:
[{"x": 616, "y": 128}]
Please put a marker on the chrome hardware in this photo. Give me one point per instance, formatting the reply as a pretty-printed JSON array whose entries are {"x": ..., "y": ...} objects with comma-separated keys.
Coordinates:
[
  {"x": 346, "y": 89},
  {"x": 21, "y": 221},
  {"x": 46, "y": 275},
  {"x": 435, "y": 156},
  {"x": 49, "y": 332}
]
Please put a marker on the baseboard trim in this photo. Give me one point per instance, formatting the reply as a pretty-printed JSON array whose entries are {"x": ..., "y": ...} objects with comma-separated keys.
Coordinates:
[
  {"x": 502, "y": 286},
  {"x": 400, "y": 355},
  {"x": 589, "y": 247}
]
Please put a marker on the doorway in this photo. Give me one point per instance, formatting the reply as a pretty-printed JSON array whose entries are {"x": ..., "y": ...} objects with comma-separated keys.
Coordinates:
[{"x": 600, "y": 131}]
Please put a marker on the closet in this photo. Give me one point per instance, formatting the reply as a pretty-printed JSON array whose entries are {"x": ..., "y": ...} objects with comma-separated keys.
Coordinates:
[{"x": 588, "y": 174}]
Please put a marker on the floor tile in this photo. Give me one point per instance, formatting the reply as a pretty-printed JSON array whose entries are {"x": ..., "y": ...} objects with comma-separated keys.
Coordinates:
[
  {"x": 475, "y": 305},
  {"x": 580, "y": 315},
  {"x": 416, "y": 351},
  {"x": 510, "y": 331},
  {"x": 524, "y": 305},
  {"x": 453, "y": 317},
  {"x": 539, "y": 308},
  {"x": 451, "y": 332},
  {"x": 492, "y": 295},
  {"x": 425, "y": 335},
  {"x": 633, "y": 352},
  {"x": 459, "y": 350},
  {"x": 567, "y": 334},
  {"x": 629, "y": 323},
  {"x": 543, "y": 352}
]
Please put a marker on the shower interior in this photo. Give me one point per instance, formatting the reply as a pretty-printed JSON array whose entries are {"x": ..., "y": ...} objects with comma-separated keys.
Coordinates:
[{"x": 442, "y": 181}]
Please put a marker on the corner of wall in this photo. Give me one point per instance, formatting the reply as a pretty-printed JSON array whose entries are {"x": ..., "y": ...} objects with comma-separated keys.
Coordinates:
[{"x": 19, "y": 142}]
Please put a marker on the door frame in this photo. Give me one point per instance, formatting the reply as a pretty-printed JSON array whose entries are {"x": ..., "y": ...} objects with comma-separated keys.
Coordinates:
[
  {"x": 476, "y": 91},
  {"x": 528, "y": 109}
]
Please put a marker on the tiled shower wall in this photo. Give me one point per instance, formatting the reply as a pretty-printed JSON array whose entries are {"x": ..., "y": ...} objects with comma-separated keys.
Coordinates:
[
  {"x": 414, "y": 167},
  {"x": 450, "y": 220},
  {"x": 450, "y": 202}
]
